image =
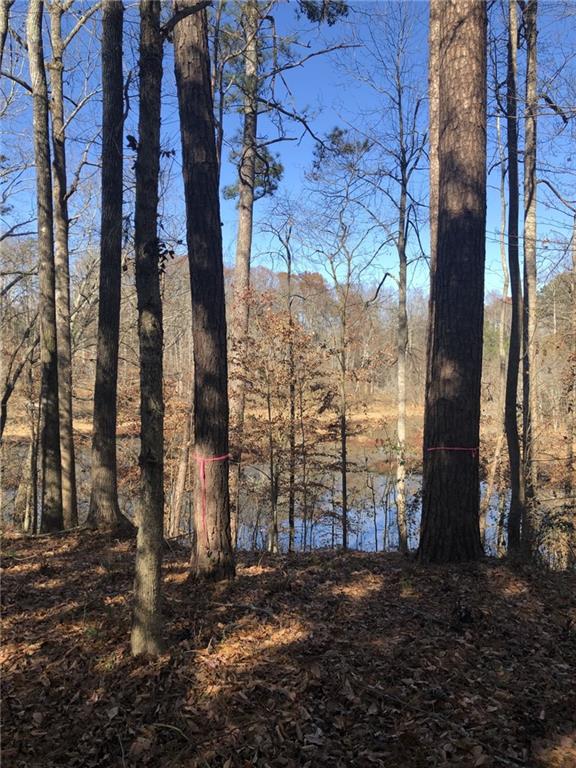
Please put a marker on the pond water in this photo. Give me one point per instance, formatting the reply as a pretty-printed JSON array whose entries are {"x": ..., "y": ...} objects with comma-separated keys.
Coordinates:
[
  {"x": 372, "y": 514},
  {"x": 369, "y": 529}
]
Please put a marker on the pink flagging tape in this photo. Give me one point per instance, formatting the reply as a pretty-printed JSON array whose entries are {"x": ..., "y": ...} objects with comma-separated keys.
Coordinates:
[{"x": 202, "y": 461}]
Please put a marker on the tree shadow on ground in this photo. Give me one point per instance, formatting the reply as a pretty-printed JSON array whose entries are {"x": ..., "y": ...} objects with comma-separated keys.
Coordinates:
[{"x": 320, "y": 659}]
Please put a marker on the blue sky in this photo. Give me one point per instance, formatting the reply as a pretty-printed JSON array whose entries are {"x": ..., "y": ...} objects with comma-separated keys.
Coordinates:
[
  {"x": 333, "y": 98},
  {"x": 323, "y": 87}
]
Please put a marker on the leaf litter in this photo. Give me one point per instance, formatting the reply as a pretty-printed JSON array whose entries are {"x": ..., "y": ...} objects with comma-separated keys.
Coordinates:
[{"x": 322, "y": 659}]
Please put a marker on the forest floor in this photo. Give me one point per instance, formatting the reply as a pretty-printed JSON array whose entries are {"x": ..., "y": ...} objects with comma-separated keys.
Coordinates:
[{"x": 324, "y": 659}]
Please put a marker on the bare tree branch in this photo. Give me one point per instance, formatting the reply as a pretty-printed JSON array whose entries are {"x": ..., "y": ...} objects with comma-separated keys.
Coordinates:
[
  {"x": 12, "y": 378},
  {"x": 78, "y": 106},
  {"x": 274, "y": 105},
  {"x": 80, "y": 23},
  {"x": 171, "y": 23},
  {"x": 12, "y": 231},
  {"x": 571, "y": 204},
  {"x": 18, "y": 80},
  {"x": 302, "y": 61}
]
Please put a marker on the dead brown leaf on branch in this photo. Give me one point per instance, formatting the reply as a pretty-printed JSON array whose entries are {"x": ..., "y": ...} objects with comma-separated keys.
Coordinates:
[{"x": 320, "y": 659}]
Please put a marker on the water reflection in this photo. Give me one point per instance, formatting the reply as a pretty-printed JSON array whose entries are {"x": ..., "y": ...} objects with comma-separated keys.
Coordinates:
[{"x": 371, "y": 528}]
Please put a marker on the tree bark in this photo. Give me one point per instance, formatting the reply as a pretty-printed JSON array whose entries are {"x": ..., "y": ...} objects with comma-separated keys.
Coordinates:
[
  {"x": 304, "y": 455},
  {"x": 571, "y": 464},
  {"x": 434, "y": 173},
  {"x": 516, "y": 512},
  {"x": 147, "y": 619},
  {"x": 402, "y": 345},
  {"x": 181, "y": 475},
  {"x": 52, "y": 519},
  {"x": 502, "y": 353},
  {"x": 5, "y": 6},
  {"x": 343, "y": 423},
  {"x": 22, "y": 506},
  {"x": 104, "y": 510},
  {"x": 241, "y": 297},
  {"x": 292, "y": 405},
  {"x": 273, "y": 542},
  {"x": 433, "y": 132},
  {"x": 61, "y": 226},
  {"x": 30, "y": 518},
  {"x": 213, "y": 556},
  {"x": 530, "y": 390},
  {"x": 450, "y": 530}
]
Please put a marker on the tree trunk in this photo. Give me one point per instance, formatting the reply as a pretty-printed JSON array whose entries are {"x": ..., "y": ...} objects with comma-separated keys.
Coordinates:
[
  {"x": 516, "y": 512},
  {"x": 181, "y": 475},
  {"x": 22, "y": 506},
  {"x": 530, "y": 391},
  {"x": 61, "y": 225},
  {"x": 292, "y": 402},
  {"x": 30, "y": 517},
  {"x": 241, "y": 297},
  {"x": 372, "y": 489},
  {"x": 147, "y": 618},
  {"x": 213, "y": 556},
  {"x": 571, "y": 464},
  {"x": 218, "y": 84},
  {"x": 344, "y": 438},
  {"x": 501, "y": 402},
  {"x": 500, "y": 537},
  {"x": 5, "y": 6},
  {"x": 273, "y": 543},
  {"x": 292, "y": 456},
  {"x": 304, "y": 454},
  {"x": 434, "y": 173},
  {"x": 235, "y": 481},
  {"x": 433, "y": 118},
  {"x": 450, "y": 530},
  {"x": 402, "y": 344},
  {"x": 52, "y": 519},
  {"x": 104, "y": 510}
]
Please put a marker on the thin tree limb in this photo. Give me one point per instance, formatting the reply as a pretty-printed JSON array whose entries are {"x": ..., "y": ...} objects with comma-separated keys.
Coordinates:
[
  {"x": 18, "y": 80},
  {"x": 167, "y": 28},
  {"x": 80, "y": 23}
]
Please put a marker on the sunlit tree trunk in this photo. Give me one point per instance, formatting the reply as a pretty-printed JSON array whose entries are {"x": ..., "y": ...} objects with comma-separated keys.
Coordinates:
[
  {"x": 241, "y": 297},
  {"x": 433, "y": 180},
  {"x": 181, "y": 476},
  {"x": 273, "y": 542},
  {"x": 343, "y": 428},
  {"x": 52, "y": 519},
  {"x": 530, "y": 373},
  {"x": 450, "y": 512},
  {"x": 147, "y": 618},
  {"x": 501, "y": 400},
  {"x": 30, "y": 518},
  {"x": 402, "y": 345},
  {"x": 571, "y": 465},
  {"x": 213, "y": 556},
  {"x": 304, "y": 455},
  {"x": 292, "y": 406},
  {"x": 61, "y": 226}
]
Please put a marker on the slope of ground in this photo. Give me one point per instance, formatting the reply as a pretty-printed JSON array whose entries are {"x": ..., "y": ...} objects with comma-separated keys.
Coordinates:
[{"x": 316, "y": 660}]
